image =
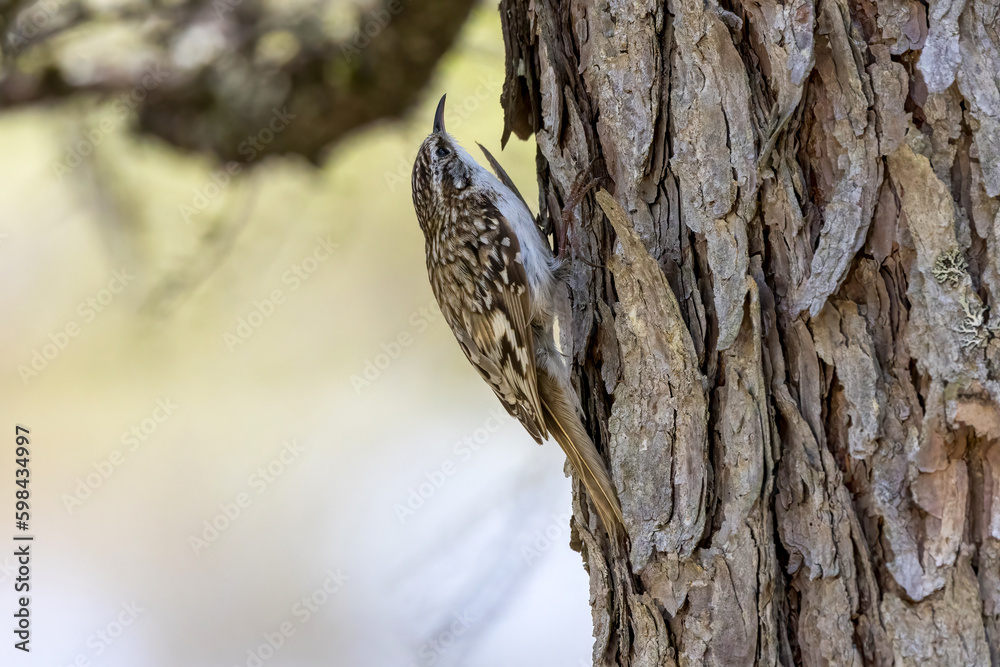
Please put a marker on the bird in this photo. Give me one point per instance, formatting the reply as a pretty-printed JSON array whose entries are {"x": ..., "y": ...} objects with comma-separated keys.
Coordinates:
[{"x": 495, "y": 279}]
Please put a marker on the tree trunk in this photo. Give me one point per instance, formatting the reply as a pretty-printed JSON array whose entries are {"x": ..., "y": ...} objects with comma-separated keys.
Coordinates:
[{"x": 784, "y": 342}]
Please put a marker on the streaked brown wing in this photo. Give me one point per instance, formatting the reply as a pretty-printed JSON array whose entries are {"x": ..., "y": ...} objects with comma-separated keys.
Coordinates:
[{"x": 496, "y": 336}]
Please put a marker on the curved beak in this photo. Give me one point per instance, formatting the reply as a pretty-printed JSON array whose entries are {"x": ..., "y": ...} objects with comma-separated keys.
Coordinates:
[{"x": 439, "y": 116}]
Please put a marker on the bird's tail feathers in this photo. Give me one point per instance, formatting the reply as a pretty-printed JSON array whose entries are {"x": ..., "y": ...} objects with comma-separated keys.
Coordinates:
[{"x": 565, "y": 426}]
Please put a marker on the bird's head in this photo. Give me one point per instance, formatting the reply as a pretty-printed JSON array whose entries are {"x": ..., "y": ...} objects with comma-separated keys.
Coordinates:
[{"x": 442, "y": 171}]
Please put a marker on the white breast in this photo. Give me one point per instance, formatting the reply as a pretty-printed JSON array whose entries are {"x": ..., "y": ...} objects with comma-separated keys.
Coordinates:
[{"x": 538, "y": 260}]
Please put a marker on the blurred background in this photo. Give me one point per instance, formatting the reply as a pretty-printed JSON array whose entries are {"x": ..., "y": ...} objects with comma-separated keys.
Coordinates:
[{"x": 254, "y": 441}]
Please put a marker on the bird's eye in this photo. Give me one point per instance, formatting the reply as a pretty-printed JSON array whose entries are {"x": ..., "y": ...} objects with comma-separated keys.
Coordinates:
[{"x": 442, "y": 152}]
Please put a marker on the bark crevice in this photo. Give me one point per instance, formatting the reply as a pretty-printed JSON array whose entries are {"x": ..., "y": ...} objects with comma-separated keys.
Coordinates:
[{"x": 800, "y": 328}]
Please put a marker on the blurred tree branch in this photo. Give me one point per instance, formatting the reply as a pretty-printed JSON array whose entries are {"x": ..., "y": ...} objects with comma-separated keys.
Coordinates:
[{"x": 235, "y": 78}]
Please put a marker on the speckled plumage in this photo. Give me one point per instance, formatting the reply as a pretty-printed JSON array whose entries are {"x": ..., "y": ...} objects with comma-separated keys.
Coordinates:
[{"x": 493, "y": 275}]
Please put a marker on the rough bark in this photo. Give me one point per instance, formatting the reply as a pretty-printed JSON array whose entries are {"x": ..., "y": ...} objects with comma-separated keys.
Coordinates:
[{"x": 782, "y": 322}]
